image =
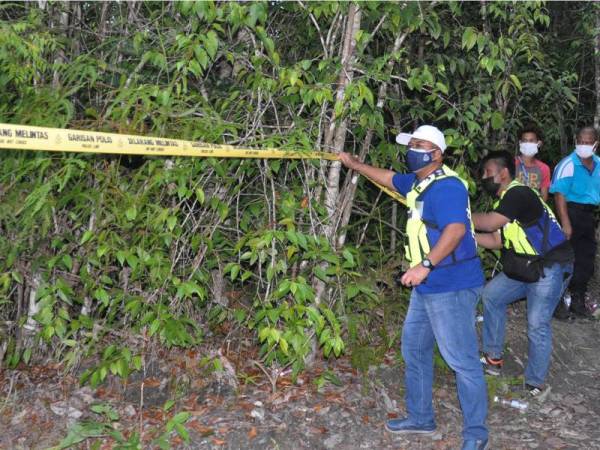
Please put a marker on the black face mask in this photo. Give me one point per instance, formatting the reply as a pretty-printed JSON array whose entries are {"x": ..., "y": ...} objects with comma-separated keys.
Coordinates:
[{"x": 490, "y": 186}]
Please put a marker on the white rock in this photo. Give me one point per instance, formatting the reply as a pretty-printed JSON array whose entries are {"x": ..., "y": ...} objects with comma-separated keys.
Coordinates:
[
  {"x": 258, "y": 414},
  {"x": 16, "y": 420},
  {"x": 86, "y": 394},
  {"x": 333, "y": 441},
  {"x": 65, "y": 410},
  {"x": 130, "y": 411}
]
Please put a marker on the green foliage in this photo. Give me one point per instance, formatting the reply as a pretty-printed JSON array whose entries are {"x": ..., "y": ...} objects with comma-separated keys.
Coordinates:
[
  {"x": 116, "y": 252},
  {"x": 327, "y": 377},
  {"x": 82, "y": 431},
  {"x": 108, "y": 426}
]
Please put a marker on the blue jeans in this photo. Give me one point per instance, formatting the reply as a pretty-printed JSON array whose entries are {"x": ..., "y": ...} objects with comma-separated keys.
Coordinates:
[
  {"x": 449, "y": 319},
  {"x": 542, "y": 298}
]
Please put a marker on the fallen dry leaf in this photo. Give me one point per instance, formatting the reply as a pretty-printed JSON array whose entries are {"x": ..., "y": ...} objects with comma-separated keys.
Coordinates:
[
  {"x": 176, "y": 440},
  {"x": 204, "y": 431},
  {"x": 151, "y": 382},
  {"x": 252, "y": 433}
]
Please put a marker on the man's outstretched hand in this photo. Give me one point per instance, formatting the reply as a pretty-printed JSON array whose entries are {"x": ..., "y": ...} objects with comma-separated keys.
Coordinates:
[{"x": 350, "y": 161}]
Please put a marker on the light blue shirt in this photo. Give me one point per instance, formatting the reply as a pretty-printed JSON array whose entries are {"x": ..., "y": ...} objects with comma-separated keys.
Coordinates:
[{"x": 575, "y": 182}]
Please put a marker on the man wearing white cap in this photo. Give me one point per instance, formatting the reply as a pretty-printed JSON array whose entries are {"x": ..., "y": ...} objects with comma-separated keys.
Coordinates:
[{"x": 446, "y": 276}]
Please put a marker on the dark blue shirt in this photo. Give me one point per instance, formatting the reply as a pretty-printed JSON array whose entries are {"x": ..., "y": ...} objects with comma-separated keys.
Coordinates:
[{"x": 444, "y": 202}]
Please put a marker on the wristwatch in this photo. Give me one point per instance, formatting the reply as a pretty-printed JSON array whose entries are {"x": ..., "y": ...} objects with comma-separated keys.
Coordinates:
[{"x": 427, "y": 263}]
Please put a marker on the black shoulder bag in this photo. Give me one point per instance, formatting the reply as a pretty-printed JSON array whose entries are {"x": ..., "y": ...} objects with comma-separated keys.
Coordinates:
[{"x": 526, "y": 268}]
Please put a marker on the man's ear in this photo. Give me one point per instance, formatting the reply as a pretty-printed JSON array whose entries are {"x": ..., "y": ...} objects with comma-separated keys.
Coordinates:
[{"x": 438, "y": 155}]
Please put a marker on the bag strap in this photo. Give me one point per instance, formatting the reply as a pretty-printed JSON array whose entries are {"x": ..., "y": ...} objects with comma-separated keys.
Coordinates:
[{"x": 545, "y": 237}]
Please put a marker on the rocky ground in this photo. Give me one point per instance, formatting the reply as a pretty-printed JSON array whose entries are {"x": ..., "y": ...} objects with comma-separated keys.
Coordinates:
[{"x": 184, "y": 403}]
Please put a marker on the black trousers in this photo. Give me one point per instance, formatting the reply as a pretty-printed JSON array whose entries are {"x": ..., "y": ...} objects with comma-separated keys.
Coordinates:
[{"x": 584, "y": 245}]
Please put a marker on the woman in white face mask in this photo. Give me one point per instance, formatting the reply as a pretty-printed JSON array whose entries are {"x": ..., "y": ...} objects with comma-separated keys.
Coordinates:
[{"x": 529, "y": 169}]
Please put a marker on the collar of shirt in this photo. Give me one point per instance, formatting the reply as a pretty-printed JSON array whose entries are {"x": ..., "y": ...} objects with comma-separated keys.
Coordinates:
[{"x": 577, "y": 161}]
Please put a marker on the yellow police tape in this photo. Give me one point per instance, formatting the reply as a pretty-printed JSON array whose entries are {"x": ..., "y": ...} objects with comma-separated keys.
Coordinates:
[{"x": 24, "y": 137}]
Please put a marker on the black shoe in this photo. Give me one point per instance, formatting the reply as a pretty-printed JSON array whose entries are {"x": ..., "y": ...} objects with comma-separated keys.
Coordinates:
[
  {"x": 578, "y": 307},
  {"x": 562, "y": 311},
  {"x": 535, "y": 391}
]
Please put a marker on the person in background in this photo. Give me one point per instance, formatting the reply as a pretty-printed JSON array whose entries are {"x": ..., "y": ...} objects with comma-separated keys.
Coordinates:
[
  {"x": 530, "y": 171},
  {"x": 537, "y": 262},
  {"x": 576, "y": 189},
  {"x": 446, "y": 279}
]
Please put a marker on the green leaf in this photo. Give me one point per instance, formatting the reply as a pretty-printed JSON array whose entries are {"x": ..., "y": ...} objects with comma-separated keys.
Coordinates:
[
  {"x": 348, "y": 256},
  {"x": 516, "y": 81},
  {"x": 131, "y": 213},
  {"x": 68, "y": 262},
  {"x": 469, "y": 38},
  {"x": 82, "y": 431},
  {"x": 171, "y": 222},
  {"x": 320, "y": 273},
  {"x": 102, "y": 296},
  {"x": 132, "y": 260},
  {"x": 182, "y": 432},
  {"x": 201, "y": 56},
  {"x": 442, "y": 87},
  {"x": 283, "y": 344},
  {"x": 154, "y": 327},
  {"x": 497, "y": 120},
  {"x": 26, "y": 355},
  {"x": 195, "y": 68},
  {"x": 212, "y": 44},
  {"x": 86, "y": 237},
  {"x": 168, "y": 405},
  {"x": 200, "y": 195},
  {"x": 352, "y": 291},
  {"x": 235, "y": 270}
]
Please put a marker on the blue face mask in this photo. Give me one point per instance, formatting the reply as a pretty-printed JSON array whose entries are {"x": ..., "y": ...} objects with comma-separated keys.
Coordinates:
[{"x": 416, "y": 159}]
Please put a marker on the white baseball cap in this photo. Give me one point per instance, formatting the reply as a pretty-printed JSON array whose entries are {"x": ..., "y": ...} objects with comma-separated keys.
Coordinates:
[{"x": 425, "y": 132}]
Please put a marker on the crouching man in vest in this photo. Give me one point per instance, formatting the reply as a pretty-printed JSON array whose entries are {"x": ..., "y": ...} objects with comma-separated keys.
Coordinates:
[
  {"x": 537, "y": 262},
  {"x": 446, "y": 277}
]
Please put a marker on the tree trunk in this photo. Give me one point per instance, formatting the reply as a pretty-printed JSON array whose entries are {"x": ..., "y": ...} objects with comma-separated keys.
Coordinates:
[
  {"x": 63, "y": 22},
  {"x": 349, "y": 191},
  {"x": 336, "y": 133},
  {"x": 335, "y": 136},
  {"x": 31, "y": 327}
]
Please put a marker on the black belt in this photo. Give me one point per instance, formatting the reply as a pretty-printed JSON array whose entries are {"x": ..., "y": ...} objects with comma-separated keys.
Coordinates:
[{"x": 581, "y": 206}]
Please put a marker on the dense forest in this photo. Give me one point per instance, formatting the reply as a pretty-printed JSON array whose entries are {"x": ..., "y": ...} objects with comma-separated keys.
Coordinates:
[{"x": 103, "y": 258}]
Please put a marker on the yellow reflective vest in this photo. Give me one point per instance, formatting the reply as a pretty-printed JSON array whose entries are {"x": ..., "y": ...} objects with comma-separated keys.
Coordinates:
[
  {"x": 531, "y": 239},
  {"x": 420, "y": 232}
]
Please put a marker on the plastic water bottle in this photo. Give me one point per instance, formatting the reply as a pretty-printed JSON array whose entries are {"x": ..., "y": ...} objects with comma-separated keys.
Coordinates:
[{"x": 513, "y": 403}]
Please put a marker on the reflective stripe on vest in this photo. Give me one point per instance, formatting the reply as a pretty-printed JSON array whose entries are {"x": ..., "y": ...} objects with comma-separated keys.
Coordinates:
[
  {"x": 416, "y": 228},
  {"x": 514, "y": 235}
]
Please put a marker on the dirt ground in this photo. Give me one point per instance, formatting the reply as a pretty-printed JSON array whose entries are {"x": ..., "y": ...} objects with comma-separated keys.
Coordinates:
[{"x": 331, "y": 406}]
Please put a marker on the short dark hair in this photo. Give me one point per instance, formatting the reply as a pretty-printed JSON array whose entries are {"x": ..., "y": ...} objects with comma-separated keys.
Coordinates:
[
  {"x": 531, "y": 128},
  {"x": 586, "y": 130},
  {"x": 502, "y": 159}
]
